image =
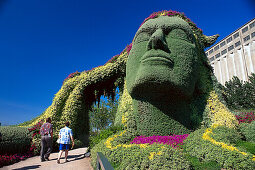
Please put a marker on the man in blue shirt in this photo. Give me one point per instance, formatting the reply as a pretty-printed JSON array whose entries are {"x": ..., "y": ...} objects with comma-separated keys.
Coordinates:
[{"x": 65, "y": 137}]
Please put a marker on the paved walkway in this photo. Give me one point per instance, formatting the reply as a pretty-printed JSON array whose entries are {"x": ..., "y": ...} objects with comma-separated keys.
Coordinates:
[{"x": 76, "y": 158}]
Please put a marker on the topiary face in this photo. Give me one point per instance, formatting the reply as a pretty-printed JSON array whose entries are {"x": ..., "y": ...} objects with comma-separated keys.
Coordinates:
[{"x": 163, "y": 60}]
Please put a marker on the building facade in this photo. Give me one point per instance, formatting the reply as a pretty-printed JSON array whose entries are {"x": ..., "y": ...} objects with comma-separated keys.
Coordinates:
[{"x": 235, "y": 54}]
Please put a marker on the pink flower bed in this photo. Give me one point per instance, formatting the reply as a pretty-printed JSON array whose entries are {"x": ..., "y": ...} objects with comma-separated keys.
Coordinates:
[
  {"x": 174, "y": 140},
  {"x": 10, "y": 159},
  {"x": 35, "y": 131},
  {"x": 245, "y": 117}
]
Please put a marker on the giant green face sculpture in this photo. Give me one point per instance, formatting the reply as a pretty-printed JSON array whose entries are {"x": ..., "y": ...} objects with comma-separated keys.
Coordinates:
[{"x": 162, "y": 63}]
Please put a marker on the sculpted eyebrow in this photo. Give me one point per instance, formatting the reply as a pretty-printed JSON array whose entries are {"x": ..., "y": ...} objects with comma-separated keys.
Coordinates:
[
  {"x": 148, "y": 30},
  {"x": 165, "y": 28}
]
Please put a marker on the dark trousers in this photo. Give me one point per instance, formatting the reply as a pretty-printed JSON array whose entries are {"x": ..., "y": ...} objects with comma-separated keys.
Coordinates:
[{"x": 46, "y": 147}]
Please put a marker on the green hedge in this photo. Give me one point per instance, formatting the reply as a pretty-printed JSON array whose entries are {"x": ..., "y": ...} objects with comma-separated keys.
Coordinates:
[
  {"x": 248, "y": 130},
  {"x": 14, "y": 140},
  {"x": 206, "y": 151}
]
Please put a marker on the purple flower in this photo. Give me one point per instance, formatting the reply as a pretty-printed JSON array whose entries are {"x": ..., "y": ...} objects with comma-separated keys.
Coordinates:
[{"x": 174, "y": 140}]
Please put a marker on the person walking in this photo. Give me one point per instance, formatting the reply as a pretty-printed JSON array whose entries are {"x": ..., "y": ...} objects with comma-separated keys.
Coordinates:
[
  {"x": 65, "y": 134},
  {"x": 46, "y": 140}
]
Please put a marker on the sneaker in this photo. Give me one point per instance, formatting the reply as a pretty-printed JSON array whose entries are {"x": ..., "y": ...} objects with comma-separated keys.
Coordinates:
[
  {"x": 47, "y": 159},
  {"x": 58, "y": 161},
  {"x": 67, "y": 161},
  {"x": 42, "y": 160}
]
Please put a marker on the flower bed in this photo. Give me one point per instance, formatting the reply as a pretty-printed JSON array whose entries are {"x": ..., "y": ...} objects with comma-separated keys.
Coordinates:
[
  {"x": 245, "y": 117},
  {"x": 10, "y": 159},
  {"x": 174, "y": 141},
  {"x": 35, "y": 131}
]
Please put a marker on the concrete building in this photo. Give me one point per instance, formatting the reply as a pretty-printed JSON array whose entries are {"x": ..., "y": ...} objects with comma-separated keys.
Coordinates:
[{"x": 235, "y": 54}]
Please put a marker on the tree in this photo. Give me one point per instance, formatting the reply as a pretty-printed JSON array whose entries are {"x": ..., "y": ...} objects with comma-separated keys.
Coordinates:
[
  {"x": 102, "y": 115},
  {"x": 250, "y": 91},
  {"x": 238, "y": 94}
]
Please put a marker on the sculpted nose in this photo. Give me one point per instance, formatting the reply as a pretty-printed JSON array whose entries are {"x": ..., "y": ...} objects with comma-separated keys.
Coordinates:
[{"x": 157, "y": 41}]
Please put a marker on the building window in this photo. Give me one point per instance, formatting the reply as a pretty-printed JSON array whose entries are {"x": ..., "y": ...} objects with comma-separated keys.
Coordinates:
[
  {"x": 252, "y": 34},
  {"x": 217, "y": 55},
  {"x": 246, "y": 38},
  {"x": 230, "y": 48},
  {"x": 222, "y": 44},
  {"x": 206, "y": 54},
  {"x": 245, "y": 29},
  {"x": 236, "y": 35},
  {"x": 224, "y": 52},
  {"x": 237, "y": 44},
  {"x": 216, "y": 48},
  {"x": 252, "y": 25},
  {"x": 211, "y": 51},
  {"x": 229, "y": 40},
  {"x": 211, "y": 59}
]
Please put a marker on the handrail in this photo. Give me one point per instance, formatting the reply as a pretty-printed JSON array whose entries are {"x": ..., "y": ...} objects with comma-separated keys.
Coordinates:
[{"x": 103, "y": 163}]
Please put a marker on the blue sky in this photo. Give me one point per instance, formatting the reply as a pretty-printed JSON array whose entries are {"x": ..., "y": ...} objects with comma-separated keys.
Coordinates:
[{"x": 43, "y": 41}]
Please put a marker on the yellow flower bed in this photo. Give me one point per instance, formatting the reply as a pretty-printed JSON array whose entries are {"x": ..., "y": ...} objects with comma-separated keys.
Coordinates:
[
  {"x": 152, "y": 154},
  {"x": 206, "y": 136},
  {"x": 109, "y": 145},
  {"x": 125, "y": 106},
  {"x": 219, "y": 113}
]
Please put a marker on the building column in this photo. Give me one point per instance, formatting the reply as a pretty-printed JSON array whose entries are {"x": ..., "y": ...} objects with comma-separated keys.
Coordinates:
[
  {"x": 227, "y": 72},
  {"x": 241, "y": 64},
  {"x": 221, "y": 81},
  {"x": 247, "y": 50},
  {"x": 234, "y": 66}
]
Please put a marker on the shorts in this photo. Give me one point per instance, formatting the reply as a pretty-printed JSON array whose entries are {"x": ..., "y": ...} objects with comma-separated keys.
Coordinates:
[{"x": 64, "y": 146}]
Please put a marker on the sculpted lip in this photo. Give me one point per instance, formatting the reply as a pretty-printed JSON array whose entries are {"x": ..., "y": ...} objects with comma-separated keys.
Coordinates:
[{"x": 156, "y": 56}]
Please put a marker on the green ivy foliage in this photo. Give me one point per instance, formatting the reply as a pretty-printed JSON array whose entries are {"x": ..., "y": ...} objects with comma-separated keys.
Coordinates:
[
  {"x": 14, "y": 140},
  {"x": 248, "y": 130},
  {"x": 206, "y": 151}
]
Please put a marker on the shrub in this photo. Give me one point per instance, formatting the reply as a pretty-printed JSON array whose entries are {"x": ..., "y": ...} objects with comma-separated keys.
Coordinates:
[
  {"x": 143, "y": 156},
  {"x": 160, "y": 157},
  {"x": 78, "y": 144},
  {"x": 14, "y": 140},
  {"x": 226, "y": 135},
  {"x": 207, "y": 151},
  {"x": 197, "y": 165},
  {"x": 248, "y": 130},
  {"x": 104, "y": 134},
  {"x": 245, "y": 117},
  {"x": 249, "y": 146},
  {"x": 239, "y": 94},
  {"x": 36, "y": 137}
]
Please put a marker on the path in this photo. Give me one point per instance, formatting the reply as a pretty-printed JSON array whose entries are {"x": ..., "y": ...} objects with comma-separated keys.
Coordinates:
[{"x": 76, "y": 158}]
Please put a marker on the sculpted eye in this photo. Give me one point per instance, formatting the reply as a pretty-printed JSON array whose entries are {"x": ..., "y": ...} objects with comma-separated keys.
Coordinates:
[
  {"x": 180, "y": 34},
  {"x": 143, "y": 36}
]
